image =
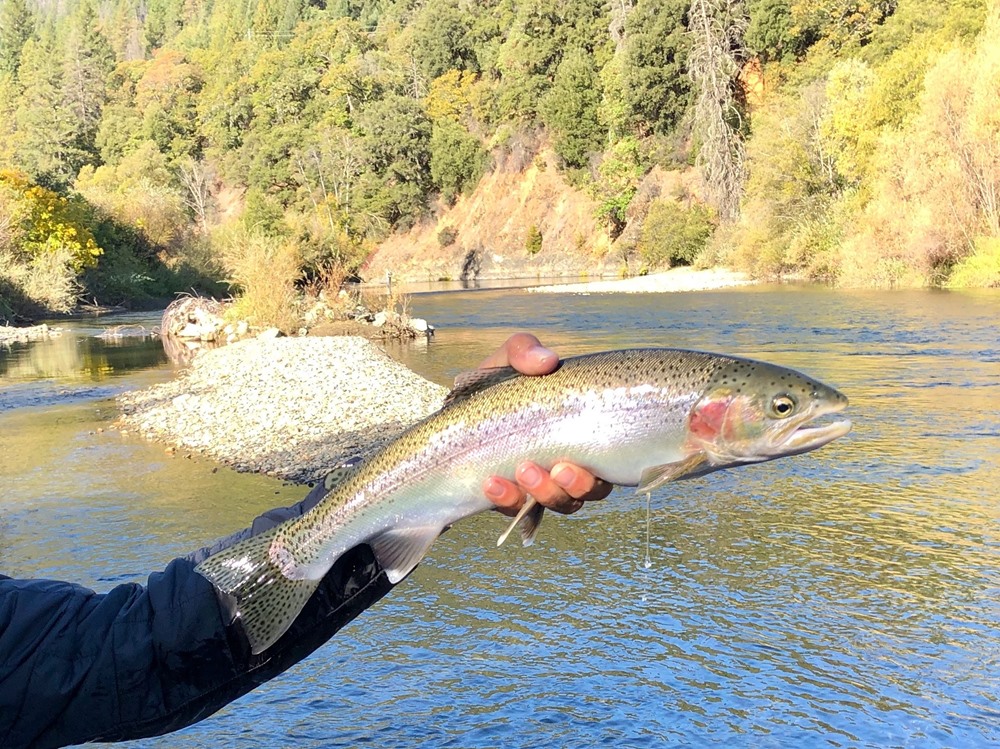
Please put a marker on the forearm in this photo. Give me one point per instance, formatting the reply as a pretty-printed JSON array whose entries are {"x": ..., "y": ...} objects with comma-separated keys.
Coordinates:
[{"x": 140, "y": 661}]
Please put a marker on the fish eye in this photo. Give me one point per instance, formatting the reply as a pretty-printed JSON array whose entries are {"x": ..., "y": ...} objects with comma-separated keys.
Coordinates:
[{"x": 782, "y": 406}]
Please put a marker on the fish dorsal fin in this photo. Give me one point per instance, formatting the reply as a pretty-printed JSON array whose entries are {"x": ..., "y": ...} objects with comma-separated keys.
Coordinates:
[
  {"x": 531, "y": 515},
  {"x": 470, "y": 383},
  {"x": 656, "y": 476},
  {"x": 341, "y": 473},
  {"x": 399, "y": 550}
]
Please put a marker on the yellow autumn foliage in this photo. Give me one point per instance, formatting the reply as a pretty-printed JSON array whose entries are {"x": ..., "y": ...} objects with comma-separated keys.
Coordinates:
[{"x": 52, "y": 223}]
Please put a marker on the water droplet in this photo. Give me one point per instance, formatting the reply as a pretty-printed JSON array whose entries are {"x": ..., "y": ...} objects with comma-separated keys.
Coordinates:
[{"x": 648, "y": 563}]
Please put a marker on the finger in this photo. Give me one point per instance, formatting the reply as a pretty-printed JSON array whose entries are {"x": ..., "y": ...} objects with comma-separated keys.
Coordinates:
[
  {"x": 579, "y": 483},
  {"x": 506, "y": 495},
  {"x": 539, "y": 483},
  {"x": 525, "y": 353}
]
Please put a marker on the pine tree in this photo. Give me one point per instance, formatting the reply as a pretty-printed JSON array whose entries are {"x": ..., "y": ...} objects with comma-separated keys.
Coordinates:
[
  {"x": 569, "y": 109},
  {"x": 16, "y": 27},
  {"x": 46, "y": 127},
  {"x": 88, "y": 62}
]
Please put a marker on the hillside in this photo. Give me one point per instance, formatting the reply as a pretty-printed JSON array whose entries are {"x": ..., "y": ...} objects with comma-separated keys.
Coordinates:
[{"x": 145, "y": 150}]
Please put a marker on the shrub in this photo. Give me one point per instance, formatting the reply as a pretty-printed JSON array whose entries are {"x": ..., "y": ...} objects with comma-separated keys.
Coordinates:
[
  {"x": 982, "y": 268},
  {"x": 533, "y": 242},
  {"x": 674, "y": 235},
  {"x": 264, "y": 271},
  {"x": 447, "y": 236}
]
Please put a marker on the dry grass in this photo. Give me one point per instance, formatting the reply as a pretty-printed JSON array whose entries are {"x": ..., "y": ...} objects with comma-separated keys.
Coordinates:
[
  {"x": 263, "y": 270},
  {"x": 48, "y": 279}
]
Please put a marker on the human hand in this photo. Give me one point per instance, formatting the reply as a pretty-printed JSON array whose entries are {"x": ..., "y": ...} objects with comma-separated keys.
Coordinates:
[{"x": 566, "y": 487}]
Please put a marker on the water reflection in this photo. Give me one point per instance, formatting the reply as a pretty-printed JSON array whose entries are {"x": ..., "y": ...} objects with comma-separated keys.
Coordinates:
[{"x": 845, "y": 598}]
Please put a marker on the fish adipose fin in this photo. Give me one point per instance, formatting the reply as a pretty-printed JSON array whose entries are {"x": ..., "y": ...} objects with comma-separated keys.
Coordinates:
[
  {"x": 531, "y": 515},
  {"x": 399, "y": 550},
  {"x": 656, "y": 476},
  {"x": 470, "y": 383},
  {"x": 267, "y": 601}
]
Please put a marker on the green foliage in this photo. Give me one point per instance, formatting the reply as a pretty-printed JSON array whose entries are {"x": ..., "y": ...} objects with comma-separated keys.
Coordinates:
[
  {"x": 447, "y": 236},
  {"x": 619, "y": 175},
  {"x": 772, "y": 33},
  {"x": 570, "y": 107},
  {"x": 981, "y": 268},
  {"x": 16, "y": 26},
  {"x": 541, "y": 33},
  {"x": 87, "y": 64},
  {"x": 533, "y": 240},
  {"x": 441, "y": 38},
  {"x": 674, "y": 235},
  {"x": 321, "y": 127},
  {"x": 656, "y": 92},
  {"x": 45, "y": 137},
  {"x": 457, "y": 158}
]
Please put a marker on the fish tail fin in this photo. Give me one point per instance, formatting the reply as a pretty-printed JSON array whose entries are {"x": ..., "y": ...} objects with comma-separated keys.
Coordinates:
[{"x": 267, "y": 600}]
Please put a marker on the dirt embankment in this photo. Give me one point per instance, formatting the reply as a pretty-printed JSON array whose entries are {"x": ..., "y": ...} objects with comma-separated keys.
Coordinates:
[{"x": 490, "y": 227}]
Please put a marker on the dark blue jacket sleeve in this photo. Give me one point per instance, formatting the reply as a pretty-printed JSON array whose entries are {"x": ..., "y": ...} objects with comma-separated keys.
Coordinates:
[{"x": 140, "y": 661}]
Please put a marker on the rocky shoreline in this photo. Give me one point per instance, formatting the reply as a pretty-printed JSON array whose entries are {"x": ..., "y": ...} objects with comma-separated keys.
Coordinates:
[
  {"x": 10, "y": 334},
  {"x": 289, "y": 407}
]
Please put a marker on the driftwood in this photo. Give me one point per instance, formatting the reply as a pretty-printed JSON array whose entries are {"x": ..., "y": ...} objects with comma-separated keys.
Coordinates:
[
  {"x": 190, "y": 325},
  {"x": 193, "y": 317}
]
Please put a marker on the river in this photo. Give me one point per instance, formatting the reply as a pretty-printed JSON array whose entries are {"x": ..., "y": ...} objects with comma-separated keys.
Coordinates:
[{"x": 845, "y": 598}]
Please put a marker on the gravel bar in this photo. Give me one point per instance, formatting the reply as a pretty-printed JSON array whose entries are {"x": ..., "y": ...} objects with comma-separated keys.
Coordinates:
[{"x": 288, "y": 407}]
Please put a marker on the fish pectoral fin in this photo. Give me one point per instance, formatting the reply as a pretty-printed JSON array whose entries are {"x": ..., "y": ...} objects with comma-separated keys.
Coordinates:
[
  {"x": 399, "y": 550},
  {"x": 531, "y": 515},
  {"x": 656, "y": 476}
]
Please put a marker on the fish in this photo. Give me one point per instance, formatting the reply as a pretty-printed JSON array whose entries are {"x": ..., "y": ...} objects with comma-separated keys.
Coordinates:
[{"x": 634, "y": 417}]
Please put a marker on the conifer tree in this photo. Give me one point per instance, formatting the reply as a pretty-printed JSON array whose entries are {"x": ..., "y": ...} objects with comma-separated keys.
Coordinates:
[
  {"x": 16, "y": 27},
  {"x": 46, "y": 129},
  {"x": 88, "y": 63}
]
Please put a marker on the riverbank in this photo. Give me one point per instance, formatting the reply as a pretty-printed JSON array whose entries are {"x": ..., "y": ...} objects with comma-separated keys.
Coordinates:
[
  {"x": 10, "y": 334},
  {"x": 289, "y": 407},
  {"x": 673, "y": 280}
]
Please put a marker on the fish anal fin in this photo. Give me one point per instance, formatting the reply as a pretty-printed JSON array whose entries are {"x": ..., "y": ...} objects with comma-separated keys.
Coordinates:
[
  {"x": 399, "y": 550},
  {"x": 656, "y": 476},
  {"x": 531, "y": 513},
  {"x": 529, "y": 526},
  {"x": 470, "y": 383}
]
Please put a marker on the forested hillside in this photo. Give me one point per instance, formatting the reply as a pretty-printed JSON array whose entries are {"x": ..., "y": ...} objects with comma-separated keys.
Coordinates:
[{"x": 152, "y": 145}]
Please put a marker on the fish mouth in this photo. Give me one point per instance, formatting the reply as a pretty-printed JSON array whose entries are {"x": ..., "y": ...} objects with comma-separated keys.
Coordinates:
[{"x": 806, "y": 434}]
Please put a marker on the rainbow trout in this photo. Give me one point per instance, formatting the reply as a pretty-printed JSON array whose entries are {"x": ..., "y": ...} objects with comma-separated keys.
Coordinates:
[{"x": 639, "y": 417}]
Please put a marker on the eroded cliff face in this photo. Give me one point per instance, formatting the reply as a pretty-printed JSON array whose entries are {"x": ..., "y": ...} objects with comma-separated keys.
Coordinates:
[
  {"x": 490, "y": 227},
  {"x": 485, "y": 234}
]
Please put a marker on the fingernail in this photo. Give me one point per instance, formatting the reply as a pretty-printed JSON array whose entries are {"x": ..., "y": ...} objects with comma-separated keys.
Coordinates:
[
  {"x": 530, "y": 476},
  {"x": 543, "y": 354},
  {"x": 564, "y": 477},
  {"x": 493, "y": 489}
]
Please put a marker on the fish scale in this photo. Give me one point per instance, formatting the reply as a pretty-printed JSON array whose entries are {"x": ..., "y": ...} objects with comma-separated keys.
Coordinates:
[{"x": 637, "y": 417}]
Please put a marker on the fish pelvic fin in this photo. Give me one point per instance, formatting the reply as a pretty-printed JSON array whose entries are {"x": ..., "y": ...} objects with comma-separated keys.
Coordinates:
[
  {"x": 399, "y": 550},
  {"x": 529, "y": 518},
  {"x": 267, "y": 600},
  {"x": 656, "y": 476}
]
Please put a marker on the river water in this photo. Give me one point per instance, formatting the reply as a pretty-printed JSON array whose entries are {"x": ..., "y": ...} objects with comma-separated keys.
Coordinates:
[{"x": 849, "y": 597}]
